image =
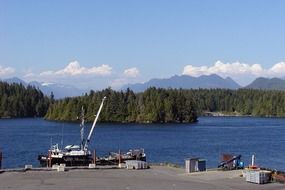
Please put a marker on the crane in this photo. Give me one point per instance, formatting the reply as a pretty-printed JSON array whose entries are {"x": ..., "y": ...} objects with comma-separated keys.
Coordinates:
[{"x": 94, "y": 124}]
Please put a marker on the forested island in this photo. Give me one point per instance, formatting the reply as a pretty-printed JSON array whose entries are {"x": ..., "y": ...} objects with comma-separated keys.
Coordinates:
[
  {"x": 151, "y": 106},
  {"x": 171, "y": 105}
]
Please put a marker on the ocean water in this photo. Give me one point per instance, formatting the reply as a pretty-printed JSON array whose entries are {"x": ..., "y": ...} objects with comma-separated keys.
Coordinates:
[{"x": 21, "y": 140}]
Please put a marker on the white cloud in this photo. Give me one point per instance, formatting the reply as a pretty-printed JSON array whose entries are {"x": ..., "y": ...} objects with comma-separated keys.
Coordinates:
[
  {"x": 102, "y": 70},
  {"x": 130, "y": 75},
  {"x": 131, "y": 72},
  {"x": 6, "y": 71},
  {"x": 75, "y": 74},
  {"x": 227, "y": 69},
  {"x": 29, "y": 75},
  {"x": 46, "y": 73},
  {"x": 236, "y": 69},
  {"x": 74, "y": 68},
  {"x": 118, "y": 83},
  {"x": 278, "y": 69}
]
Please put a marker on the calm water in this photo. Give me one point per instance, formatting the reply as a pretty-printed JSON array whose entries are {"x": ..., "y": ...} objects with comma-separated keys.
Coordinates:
[{"x": 21, "y": 140}]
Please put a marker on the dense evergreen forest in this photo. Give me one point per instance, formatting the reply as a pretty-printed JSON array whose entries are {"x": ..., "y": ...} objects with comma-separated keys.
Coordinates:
[
  {"x": 265, "y": 103},
  {"x": 170, "y": 105},
  {"x": 19, "y": 101},
  {"x": 151, "y": 106}
]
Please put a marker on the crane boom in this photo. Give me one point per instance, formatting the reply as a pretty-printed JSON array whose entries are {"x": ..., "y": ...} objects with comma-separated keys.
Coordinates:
[{"x": 94, "y": 123}]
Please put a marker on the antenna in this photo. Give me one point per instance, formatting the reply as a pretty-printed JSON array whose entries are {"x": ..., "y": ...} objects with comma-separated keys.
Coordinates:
[
  {"x": 62, "y": 136},
  {"x": 82, "y": 127}
]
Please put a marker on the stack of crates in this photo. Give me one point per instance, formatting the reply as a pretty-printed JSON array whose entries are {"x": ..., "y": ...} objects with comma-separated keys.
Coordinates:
[
  {"x": 258, "y": 176},
  {"x": 136, "y": 164}
]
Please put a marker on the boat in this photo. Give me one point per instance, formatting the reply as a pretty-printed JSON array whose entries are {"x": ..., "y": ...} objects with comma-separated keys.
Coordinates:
[
  {"x": 115, "y": 158},
  {"x": 80, "y": 155}
]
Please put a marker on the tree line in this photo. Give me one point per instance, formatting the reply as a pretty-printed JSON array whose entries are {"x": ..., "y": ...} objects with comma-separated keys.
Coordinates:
[
  {"x": 155, "y": 105},
  {"x": 152, "y": 106},
  {"x": 265, "y": 103},
  {"x": 170, "y": 105},
  {"x": 17, "y": 100}
]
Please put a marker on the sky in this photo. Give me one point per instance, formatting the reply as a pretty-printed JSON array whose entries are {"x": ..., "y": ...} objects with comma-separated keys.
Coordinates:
[{"x": 96, "y": 44}]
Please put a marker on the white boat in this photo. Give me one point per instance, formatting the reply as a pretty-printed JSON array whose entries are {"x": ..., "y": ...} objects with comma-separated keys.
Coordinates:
[
  {"x": 79, "y": 155},
  {"x": 72, "y": 155}
]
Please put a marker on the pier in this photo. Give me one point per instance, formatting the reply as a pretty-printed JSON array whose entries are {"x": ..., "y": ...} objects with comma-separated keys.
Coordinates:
[{"x": 155, "y": 178}]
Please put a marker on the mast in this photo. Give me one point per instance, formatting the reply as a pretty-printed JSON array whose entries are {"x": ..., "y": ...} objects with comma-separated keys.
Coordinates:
[
  {"x": 82, "y": 128},
  {"x": 94, "y": 123}
]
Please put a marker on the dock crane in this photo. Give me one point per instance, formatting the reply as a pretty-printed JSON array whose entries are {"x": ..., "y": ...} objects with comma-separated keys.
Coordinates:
[
  {"x": 84, "y": 143},
  {"x": 72, "y": 155}
]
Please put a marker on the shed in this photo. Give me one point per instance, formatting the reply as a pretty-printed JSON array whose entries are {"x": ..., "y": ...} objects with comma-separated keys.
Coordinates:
[{"x": 195, "y": 165}]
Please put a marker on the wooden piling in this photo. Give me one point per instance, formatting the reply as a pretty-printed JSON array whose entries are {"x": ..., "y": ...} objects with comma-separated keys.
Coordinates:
[
  {"x": 94, "y": 157},
  {"x": 119, "y": 157},
  {"x": 1, "y": 160},
  {"x": 49, "y": 159}
]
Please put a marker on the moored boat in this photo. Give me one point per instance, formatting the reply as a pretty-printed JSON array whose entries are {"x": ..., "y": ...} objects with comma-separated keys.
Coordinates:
[{"x": 80, "y": 155}]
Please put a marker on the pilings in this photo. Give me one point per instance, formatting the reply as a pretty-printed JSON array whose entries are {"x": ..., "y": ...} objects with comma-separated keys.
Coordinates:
[
  {"x": 94, "y": 157},
  {"x": 119, "y": 157},
  {"x": 1, "y": 156},
  {"x": 49, "y": 160}
]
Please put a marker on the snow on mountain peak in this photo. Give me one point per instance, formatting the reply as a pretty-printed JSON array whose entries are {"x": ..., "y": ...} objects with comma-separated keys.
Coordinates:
[{"x": 47, "y": 83}]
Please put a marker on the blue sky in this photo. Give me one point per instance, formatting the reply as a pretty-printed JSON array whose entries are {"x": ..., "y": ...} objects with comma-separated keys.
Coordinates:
[{"x": 95, "y": 44}]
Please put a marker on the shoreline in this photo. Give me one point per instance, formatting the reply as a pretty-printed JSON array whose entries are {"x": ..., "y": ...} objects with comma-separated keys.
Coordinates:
[{"x": 204, "y": 114}]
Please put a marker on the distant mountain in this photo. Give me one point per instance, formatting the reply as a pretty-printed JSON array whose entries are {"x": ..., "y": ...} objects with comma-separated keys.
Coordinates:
[
  {"x": 59, "y": 90},
  {"x": 15, "y": 80},
  {"x": 267, "y": 84},
  {"x": 186, "y": 82}
]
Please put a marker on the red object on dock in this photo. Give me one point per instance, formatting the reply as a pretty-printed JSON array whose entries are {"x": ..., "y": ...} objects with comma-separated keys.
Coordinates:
[
  {"x": 227, "y": 157},
  {"x": 253, "y": 167}
]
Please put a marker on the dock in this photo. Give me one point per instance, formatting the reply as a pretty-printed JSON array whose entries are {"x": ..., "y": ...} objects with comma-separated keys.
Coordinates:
[{"x": 155, "y": 178}]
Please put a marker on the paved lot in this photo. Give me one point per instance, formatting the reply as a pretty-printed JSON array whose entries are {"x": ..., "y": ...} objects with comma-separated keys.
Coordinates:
[{"x": 158, "y": 177}]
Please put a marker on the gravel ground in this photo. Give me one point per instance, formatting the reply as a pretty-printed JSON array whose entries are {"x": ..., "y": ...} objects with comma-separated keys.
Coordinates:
[{"x": 158, "y": 177}]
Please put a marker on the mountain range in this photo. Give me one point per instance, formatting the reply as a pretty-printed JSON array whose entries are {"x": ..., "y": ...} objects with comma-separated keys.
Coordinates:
[
  {"x": 59, "y": 90},
  {"x": 186, "y": 82},
  {"x": 183, "y": 81},
  {"x": 207, "y": 81},
  {"x": 267, "y": 84}
]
